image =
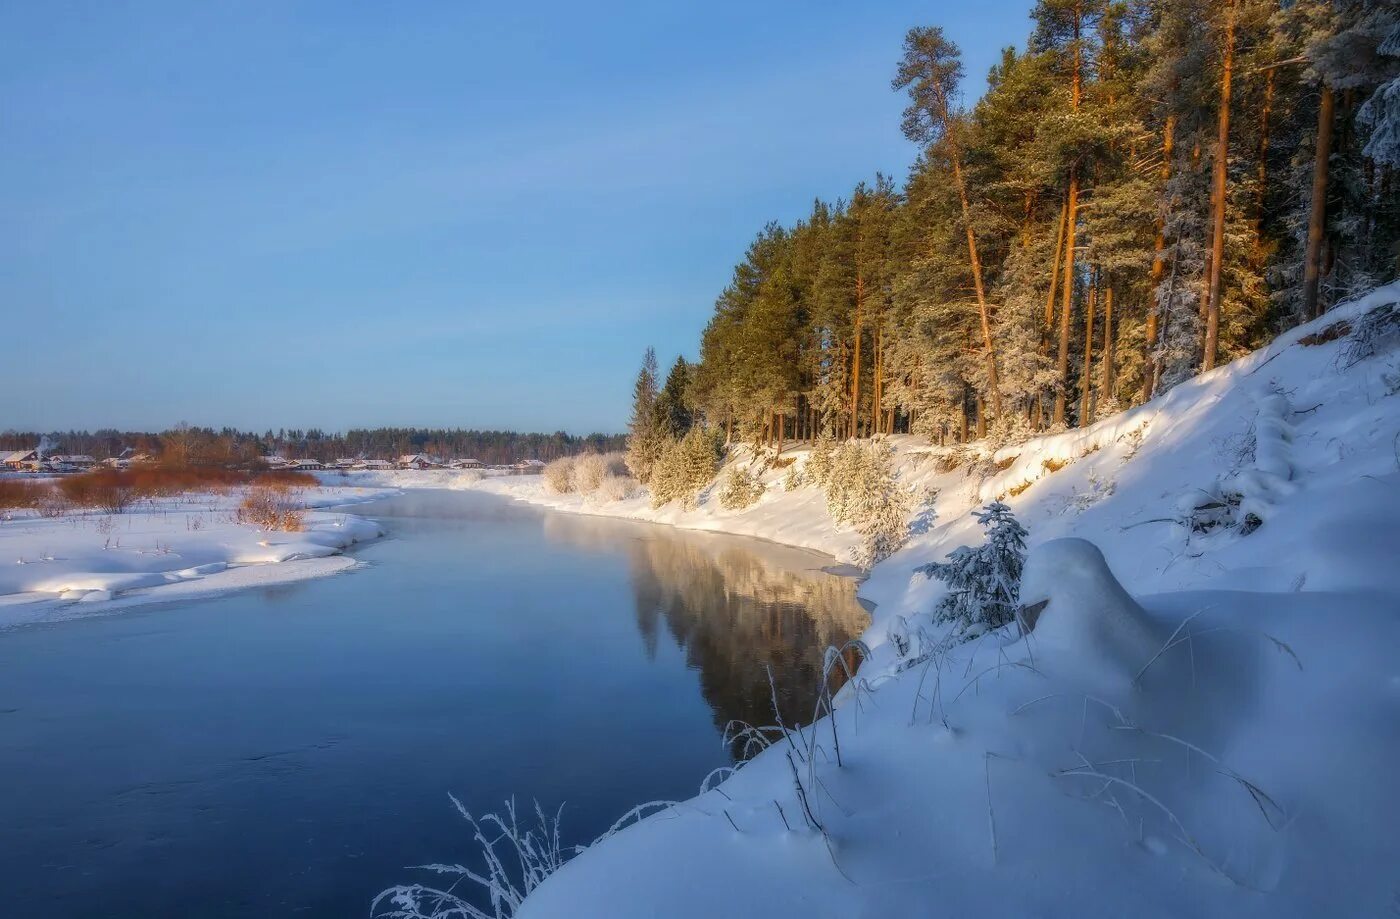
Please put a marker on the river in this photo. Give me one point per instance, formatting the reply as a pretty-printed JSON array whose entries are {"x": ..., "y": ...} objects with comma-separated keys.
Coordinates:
[{"x": 288, "y": 751}]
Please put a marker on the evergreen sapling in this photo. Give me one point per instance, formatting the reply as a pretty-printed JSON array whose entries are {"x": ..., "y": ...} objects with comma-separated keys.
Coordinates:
[{"x": 984, "y": 582}]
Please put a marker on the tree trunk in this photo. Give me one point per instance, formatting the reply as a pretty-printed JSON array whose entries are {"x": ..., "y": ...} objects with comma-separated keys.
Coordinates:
[
  {"x": 1217, "y": 195},
  {"x": 878, "y": 388},
  {"x": 1261, "y": 177},
  {"x": 993, "y": 383},
  {"x": 855, "y": 358},
  {"x": 1071, "y": 206},
  {"x": 1317, "y": 219},
  {"x": 1086, "y": 378},
  {"x": 1159, "y": 265},
  {"x": 955, "y": 154},
  {"x": 1067, "y": 302},
  {"x": 1055, "y": 271},
  {"x": 1109, "y": 358}
]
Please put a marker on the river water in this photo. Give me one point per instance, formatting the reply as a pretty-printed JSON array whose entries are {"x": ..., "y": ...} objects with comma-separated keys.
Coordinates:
[{"x": 288, "y": 751}]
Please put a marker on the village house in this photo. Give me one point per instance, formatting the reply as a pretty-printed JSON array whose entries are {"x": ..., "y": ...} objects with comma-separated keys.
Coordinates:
[
  {"x": 418, "y": 461},
  {"x": 305, "y": 465},
  {"x": 74, "y": 460},
  {"x": 467, "y": 464},
  {"x": 128, "y": 458},
  {"x": 18, "y": 458},
  {"x": 375, "y": 465}
]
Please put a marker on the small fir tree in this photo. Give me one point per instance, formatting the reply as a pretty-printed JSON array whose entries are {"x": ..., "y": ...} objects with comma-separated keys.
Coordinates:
[{"x": 984, "y": 582}]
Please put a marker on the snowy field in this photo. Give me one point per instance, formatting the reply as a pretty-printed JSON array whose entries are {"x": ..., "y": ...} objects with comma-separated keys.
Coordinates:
[
  {"x": 178, "y": 548},
  {"x": 1219, "y": 738}
]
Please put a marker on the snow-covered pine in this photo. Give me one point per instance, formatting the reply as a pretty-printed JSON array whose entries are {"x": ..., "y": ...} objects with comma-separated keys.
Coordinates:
[
  {"x": 984, "y": 582},
  {"x": 741, "y": 488}
]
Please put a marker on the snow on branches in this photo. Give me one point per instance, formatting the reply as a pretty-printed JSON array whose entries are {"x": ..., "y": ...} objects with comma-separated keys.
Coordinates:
[{"x": 984, "y": 582}]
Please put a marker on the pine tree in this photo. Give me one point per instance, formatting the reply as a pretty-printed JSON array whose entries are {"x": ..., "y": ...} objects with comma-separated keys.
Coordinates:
[
  {"x": 673, "y": 415},
  {"x": 931, "y": 71},
  {"x": 645, "y": 438},
  {"x": 984, "y": 582}
]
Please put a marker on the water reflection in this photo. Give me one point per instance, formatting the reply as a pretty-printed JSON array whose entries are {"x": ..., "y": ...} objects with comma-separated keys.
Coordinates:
[{"x": 735, "y": 608}]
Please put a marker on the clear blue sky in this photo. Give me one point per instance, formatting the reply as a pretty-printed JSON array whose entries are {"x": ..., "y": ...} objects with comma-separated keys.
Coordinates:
[{"x": 441, "y": 213}]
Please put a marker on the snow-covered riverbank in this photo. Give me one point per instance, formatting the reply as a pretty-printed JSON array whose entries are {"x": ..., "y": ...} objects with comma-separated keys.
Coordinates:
[
  {"x": 86, "y": 562},
  {"x": 1221, "y": 744}
]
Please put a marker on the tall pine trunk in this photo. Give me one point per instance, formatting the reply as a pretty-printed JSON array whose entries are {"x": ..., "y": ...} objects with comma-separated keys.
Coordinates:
[
  {"x": 1217, "y": 195},
  {"x": 1317, "y": 218},
  {"x": 1055, "y": 271},
  {"x": 1109, "y": 357},
  {"x": 993, "y": 383},
  {"x": 1071, "y": 208},
  {"x": 1159, "y": 265},
  {"x": 855, "y": 358},
  {"x": 1066, "y": 302},
  {"x": 1261, "y": 176},
  {"x": 1086, "y": 378}
]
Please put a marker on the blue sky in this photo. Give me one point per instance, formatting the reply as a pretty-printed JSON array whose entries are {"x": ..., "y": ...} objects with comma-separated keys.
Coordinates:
[{"x": 440, "y": 213}]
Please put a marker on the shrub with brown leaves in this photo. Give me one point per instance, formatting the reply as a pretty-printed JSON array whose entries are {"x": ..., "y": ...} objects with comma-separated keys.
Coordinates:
[{"x": 271, "y": 507}]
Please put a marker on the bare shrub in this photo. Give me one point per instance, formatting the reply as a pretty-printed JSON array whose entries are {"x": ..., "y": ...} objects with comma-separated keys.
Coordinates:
[
  {"x": 271, "y": 508},
  {"x": 592, "y": 468},
  {"x": 51, "y": 503},
  {"x": 1376, "y": 332},
  {"x": 17, "y": 493},
  {"x": 286, "y": 480},
  {"x": 105, "y": 489},
  {"x": 559, "y": 476},
  {"x": 616, "y": 488},
  {"x": 741, "y": 488}
]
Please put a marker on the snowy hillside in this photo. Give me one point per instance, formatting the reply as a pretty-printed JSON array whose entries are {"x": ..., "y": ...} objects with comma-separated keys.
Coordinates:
[{"x": 1221, "y": 742}]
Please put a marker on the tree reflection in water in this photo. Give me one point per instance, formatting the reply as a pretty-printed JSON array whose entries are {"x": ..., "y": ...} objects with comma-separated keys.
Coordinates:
[{"x": 733, "y": 605}]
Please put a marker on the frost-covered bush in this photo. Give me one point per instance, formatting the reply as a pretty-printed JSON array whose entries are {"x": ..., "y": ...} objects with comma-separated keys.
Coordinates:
[
  {"x": 271, "y": 509},
  {"x": 862, "y": 491},
  {"x": 1009, "y": 429},
  {"x": 741, "y": 488},
  {"x": 616, "y": 488},
  {"x": 793, "y": 479},
  {"x": 984, "y": 582},
  {"x": 559, "y": 476},
  {"x": 591, "y": 468},
  {"x": 684, "y": 467},
  {"x": 1374, "y": 333},
  {"x": 818, "y": 467}
]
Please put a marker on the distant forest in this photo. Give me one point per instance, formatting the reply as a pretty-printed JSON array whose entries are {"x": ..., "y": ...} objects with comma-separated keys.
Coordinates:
[
  {"x": 206, "y": 446},
  {"x": 1145, "y": 190}
]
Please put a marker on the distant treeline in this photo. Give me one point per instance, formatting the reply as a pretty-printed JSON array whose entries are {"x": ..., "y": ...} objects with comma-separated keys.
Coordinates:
[{"x": 207, "y": 446}]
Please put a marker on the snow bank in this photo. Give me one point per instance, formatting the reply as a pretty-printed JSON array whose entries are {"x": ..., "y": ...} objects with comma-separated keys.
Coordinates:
[
  {"x": 1218, "y": 743},
  {"x": 1083, "y": 610},
  {"x": 178, "y": 548}
]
